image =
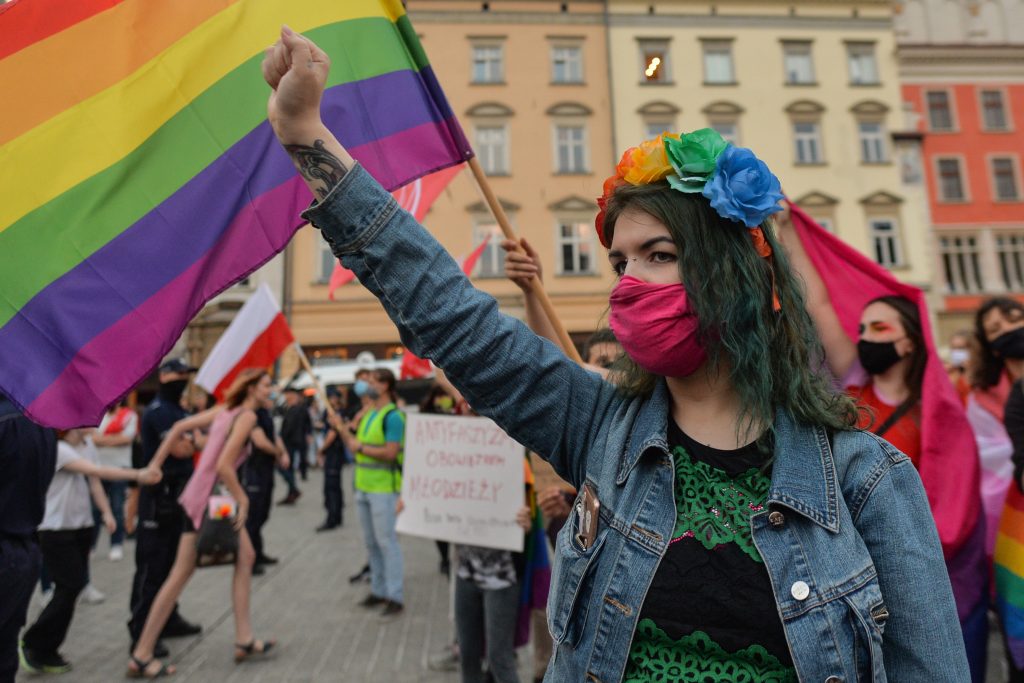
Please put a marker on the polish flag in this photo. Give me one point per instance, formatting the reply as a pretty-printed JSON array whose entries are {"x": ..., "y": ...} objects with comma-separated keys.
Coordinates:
[
  {"x": 254, "y": 339},
  {"x": 416, "y": 198}
]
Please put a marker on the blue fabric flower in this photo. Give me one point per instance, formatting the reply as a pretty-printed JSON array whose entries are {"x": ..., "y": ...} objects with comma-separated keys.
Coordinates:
[{"x": 742, "y": 188}]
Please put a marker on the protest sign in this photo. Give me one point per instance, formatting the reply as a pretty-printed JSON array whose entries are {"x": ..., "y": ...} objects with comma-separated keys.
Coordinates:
[{"x": 462, "y": 481}]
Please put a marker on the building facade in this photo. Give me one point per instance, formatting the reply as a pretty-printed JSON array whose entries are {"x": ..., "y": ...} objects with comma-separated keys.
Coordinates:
[
  {"x": 962, "y": 67},
  {"x": 812, "y": 87},
  {"x": 528, "y": 80}
]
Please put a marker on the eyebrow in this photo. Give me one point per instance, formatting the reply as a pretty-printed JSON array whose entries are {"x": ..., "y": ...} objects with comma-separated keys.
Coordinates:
[{"x": 615, "y": 253}]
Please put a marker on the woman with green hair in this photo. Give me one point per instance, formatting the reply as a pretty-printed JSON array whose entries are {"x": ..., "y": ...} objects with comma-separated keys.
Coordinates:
[{"x": 731, "y": 522}]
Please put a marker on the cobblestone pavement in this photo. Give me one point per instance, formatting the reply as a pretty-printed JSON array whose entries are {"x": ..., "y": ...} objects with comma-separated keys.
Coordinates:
[{"x": 305, "y": 601}]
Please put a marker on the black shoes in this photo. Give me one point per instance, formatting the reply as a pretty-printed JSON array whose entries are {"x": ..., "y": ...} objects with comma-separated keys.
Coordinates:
[
  {"x": 372, "y": 600},
  {"x": 42, "y": 662},
  {"x": 361, "y": 575},
  {"x": 258, "y": 570},
  {"x": 327, "y": 527},
  {"x": 266, "y": 559},
  {"x": 290, "y": 498},
  {"x": 179, "y": 628},
  {"x": 391, "y": 609}
]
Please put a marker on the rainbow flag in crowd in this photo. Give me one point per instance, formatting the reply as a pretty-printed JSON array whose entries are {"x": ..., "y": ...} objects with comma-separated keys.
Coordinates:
[
  {"x": 1009, "y": 570},
  {"x": 141, "y": 177}
]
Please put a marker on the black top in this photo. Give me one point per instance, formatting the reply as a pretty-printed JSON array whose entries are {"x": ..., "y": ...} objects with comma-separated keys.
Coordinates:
[
  {"x": 260, "y": 458},
  {"x": 296, "y": 426},
  {"x": 1013, "y": 419},
  {"x": 710, "y": 610},
  {"x": 28, "y": 460},
  {"x": 161, "y": 499}
]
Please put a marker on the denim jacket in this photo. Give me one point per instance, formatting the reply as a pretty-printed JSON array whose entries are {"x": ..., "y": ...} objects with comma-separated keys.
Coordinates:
[{"x": 847, "y": 536}]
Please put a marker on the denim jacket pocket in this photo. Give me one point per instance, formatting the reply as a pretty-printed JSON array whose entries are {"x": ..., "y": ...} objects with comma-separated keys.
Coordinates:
[
  {"x": 572, "y": 581},
  {"x": 866, "y": 614}
]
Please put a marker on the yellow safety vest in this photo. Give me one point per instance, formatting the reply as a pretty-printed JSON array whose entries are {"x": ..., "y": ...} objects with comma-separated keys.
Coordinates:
[{"x": 373, "y": 475}]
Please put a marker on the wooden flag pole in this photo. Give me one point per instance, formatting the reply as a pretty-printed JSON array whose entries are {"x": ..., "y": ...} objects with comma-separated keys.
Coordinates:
[
  {"x": 538, "y": 287},
  {"x": 316, "y": 381}
]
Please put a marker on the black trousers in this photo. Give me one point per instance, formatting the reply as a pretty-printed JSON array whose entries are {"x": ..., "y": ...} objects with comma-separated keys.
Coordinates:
[
  {"x": 334, "y": 499},
  {"x": 156, "y": 546},
  {"x": 20, "y": 560},
  {"x": 259, "y": 486},
  {"x": 66, "y": 553}
]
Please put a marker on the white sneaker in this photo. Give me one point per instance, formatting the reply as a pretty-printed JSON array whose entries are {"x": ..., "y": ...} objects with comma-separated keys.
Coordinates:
[
  {"x": 45, "y": 597},
  {"x": 92, "y": 596},
  {"x": 116, "y": 553}
]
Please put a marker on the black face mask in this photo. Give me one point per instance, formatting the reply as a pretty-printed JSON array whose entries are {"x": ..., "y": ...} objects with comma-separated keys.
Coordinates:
[
  {"x": 172, "y": 391},
  {"x": 1010, "y": 344},
  {"x": 877, "y": 357}
]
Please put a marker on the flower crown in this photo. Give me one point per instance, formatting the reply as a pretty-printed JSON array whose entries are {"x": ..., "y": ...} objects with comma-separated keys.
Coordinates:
[{"x": 738, "y": 185}]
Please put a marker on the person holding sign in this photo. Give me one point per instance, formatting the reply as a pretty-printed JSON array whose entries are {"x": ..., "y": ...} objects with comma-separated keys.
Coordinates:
[
  {"x": 377, "y": 444},
  {"x": 731, "y": 522}
]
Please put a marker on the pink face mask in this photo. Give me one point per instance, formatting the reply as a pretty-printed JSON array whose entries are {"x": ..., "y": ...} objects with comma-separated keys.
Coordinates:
[{"x": 656, "y": 327}]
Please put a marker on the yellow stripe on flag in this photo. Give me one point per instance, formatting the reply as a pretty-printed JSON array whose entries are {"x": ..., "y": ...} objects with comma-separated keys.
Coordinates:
[{"x": 87, "y": 138}]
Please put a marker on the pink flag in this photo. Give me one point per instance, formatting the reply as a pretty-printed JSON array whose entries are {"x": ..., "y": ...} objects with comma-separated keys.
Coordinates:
[
  {"x": 470, "y": 263},
  {"x": 949, "y": 456},
  {"x": 416, "y": 198}
]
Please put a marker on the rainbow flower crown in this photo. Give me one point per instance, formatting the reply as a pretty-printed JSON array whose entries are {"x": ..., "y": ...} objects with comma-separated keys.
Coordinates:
[{"x": 738, "y": 185}]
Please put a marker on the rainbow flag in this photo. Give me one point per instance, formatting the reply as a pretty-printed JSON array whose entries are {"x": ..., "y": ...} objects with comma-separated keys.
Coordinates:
[
  {"x": 1009, "y": 571},
  {"x": 141, "y": 177}
]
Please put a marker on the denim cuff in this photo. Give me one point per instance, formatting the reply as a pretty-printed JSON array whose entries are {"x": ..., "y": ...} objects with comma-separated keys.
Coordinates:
[{"x": 353, "y": 212}]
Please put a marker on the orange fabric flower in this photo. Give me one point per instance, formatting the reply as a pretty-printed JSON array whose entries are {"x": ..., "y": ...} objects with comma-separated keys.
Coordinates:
[{"x": 647, "y": 162}]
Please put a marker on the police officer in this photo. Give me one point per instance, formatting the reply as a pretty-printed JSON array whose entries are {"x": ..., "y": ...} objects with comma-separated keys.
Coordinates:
[
  {"x": 258, "y": 475},
  {"x": 28, "y": 459},
  {"x": 160, "y": 516}
]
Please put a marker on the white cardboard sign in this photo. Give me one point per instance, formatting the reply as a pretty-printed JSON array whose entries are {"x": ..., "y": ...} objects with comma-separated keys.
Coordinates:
[{"x": 462, "y": 481}]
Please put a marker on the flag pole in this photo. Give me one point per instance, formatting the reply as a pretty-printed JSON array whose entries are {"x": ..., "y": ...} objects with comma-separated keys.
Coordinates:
[
  {"x": 538, "y": 287},
  {"x": 316, "y": 381}
]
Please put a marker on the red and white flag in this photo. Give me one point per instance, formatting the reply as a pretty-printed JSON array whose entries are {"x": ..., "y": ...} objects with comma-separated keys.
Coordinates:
[
  {"x": 416, "y": 198},
  {"x": 254, "y": 339}
]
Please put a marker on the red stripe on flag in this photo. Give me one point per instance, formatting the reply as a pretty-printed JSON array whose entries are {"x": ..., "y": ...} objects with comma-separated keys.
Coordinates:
[
  {"x": 29, "y": 21},
  {"x": 264, "y": 351},
  {"x": 470, "y": 263}
]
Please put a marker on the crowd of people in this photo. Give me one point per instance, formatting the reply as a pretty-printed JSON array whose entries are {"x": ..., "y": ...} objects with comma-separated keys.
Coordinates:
[{"x": 732, "y": 487}]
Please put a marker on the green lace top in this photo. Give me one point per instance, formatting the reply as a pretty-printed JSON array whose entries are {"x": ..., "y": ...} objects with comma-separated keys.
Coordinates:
[{"x": 710, "y": 614}]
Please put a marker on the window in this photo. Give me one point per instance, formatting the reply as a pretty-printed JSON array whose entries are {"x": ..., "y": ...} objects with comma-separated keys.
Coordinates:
[
  {"x": 1004, "y": 180},
  {"x": 951, "y": 185},
  {"x": 961, "y": 263},
  {"x": 807, "y": 137},
  {"x": 826, "y": 223},
  {"x": 570, "y": 149},
  {"x": 872, "y": 143},
  {"x": 654, "y": 62},
  {"x": 861, "y": 60},
  {"x": 993, "y": 110},
  {"x": 488, "y": 64},
  {"x": 576, "y": 247},
  {"x": 797, "y": 62},
  {"x": 718, "y": 67},
  {"x": 325, "y": 260},
  {"x": 567, "y": 64},
  {"x": 885, "y": 239},
  {"x": 729, "y": 130},
  {"x": 940, "y": 114},
  {"x": 492, "y": 149},
  {"x": 492, "y": 259},
  {"x": 1010, "y": 249},
  {"x": 653, "y": 129}
]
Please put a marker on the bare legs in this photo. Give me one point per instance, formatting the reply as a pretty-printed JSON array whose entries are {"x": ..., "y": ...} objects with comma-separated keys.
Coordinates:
[{"x": 181, "y": 572}]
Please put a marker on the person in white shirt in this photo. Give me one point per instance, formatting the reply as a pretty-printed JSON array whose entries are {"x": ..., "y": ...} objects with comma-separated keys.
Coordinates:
[
  {"x": 65, "y": 537},
  {"x": 113, "y": 439}
]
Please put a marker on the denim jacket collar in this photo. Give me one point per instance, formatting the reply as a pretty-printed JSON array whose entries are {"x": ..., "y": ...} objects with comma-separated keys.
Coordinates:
[{"x": 803, "y": 471}]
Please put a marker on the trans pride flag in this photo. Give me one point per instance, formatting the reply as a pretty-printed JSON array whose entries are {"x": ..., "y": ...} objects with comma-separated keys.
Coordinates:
[{"x": 141, "y": 177}]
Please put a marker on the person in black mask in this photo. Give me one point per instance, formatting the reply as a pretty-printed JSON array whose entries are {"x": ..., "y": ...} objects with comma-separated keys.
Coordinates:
[
  {"x": 1000, "y": 334},
  {"x": 258, "y": 478},
  {"x": 159, "y": 527}
]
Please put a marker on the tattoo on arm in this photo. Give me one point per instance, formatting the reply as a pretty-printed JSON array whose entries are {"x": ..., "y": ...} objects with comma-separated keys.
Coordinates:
[{"x": 319, "y": 167}]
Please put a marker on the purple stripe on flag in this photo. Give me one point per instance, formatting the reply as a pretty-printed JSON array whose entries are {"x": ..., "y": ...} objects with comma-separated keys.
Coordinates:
[
  {"x": 43, "y": 337},
  {"x": 424, "y": 151},
  {"x": 95, "y": 377}
]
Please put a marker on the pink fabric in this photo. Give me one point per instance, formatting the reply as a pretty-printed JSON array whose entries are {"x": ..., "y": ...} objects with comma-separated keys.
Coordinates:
[
  {"x": 200, "y": 486},
  {"x": 949, "y": 465},
  {"x": 656, "y": 327},
  {"x": 994, "y": 451}
]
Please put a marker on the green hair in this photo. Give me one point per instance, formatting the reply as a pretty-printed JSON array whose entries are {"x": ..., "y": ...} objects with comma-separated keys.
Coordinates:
[{"x": 775, "y": 358}]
